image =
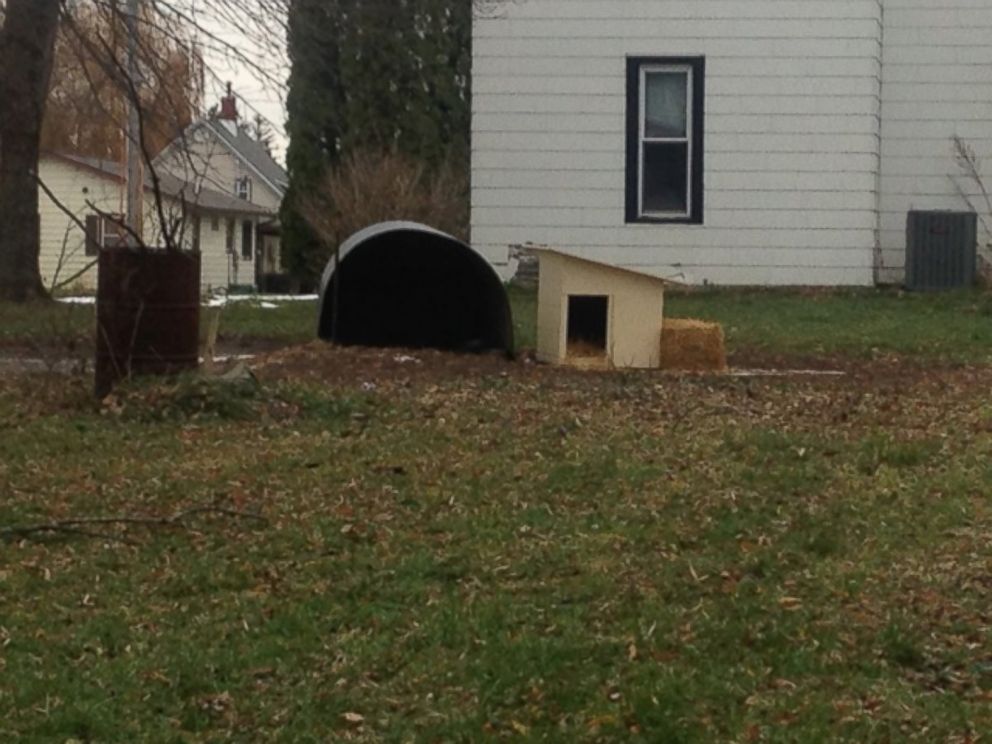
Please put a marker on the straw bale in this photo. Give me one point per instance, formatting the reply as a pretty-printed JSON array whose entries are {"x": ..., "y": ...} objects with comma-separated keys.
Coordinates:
[{"x": 692, "y": 346}]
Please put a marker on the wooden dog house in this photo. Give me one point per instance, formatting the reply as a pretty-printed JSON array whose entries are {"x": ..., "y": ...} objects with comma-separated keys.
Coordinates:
[{"x": 597, "y": 316}]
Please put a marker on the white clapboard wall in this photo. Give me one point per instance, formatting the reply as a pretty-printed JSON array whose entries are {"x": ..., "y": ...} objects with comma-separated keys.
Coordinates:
[{"x": 826, "y": 120}]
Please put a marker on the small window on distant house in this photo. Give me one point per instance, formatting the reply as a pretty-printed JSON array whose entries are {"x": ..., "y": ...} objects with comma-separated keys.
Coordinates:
[
  {"x": 247, "y": 240},
  {"x": 104, "y": 231},
  {"x": 214, "y": 224},
  {"x": 242, "y": 187},
  {"x": 665, "y": 97}
]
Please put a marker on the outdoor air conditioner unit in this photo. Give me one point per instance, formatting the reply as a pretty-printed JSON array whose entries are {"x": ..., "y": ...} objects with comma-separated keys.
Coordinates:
[{"x": 941, "y": 250}]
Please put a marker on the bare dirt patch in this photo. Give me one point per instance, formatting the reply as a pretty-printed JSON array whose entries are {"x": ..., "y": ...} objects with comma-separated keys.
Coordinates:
[
  {"x": 879, "y": 369},
  {"x": 356, "y": 367}
]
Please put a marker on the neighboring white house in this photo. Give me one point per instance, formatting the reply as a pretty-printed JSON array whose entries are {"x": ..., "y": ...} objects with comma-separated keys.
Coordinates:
[
  {"x": 221, "y": 226},
  {"x": 217, "y": 153},
  {"x": 220, "y": 191},
  {"x": 776, "y": 142}
]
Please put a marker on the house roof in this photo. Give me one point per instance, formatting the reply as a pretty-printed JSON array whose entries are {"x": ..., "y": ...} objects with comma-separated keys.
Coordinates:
[
  {"x": 252, "y": 152},
  {"x": 205, "y": 199}
]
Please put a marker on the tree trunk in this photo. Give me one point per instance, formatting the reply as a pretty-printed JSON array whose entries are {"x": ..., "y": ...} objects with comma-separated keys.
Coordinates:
[{"x": 27, "y": 45}]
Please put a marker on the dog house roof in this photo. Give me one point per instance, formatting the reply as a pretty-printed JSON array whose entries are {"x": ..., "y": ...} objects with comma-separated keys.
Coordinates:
[{"x": 635, "y": 271}]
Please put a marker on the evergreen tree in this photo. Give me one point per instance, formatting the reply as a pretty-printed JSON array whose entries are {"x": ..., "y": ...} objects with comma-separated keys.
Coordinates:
[
  {"x": 314, "y": 104},
  {"x": 377, "y": 75},
  {"x": 260, "y": 131}
]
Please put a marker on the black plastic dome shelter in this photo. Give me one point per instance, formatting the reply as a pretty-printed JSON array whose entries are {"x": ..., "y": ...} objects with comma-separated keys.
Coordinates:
[{"x": 404, "y": 284}]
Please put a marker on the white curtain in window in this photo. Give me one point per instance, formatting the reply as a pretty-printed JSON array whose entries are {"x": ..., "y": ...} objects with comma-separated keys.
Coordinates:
[{"x": 666, "y": 99}]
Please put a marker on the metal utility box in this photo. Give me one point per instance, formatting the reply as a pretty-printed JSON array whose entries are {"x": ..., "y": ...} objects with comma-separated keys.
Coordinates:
[
  {"x": 941, "y": 250},
  {"x": 597, "y": 316}
]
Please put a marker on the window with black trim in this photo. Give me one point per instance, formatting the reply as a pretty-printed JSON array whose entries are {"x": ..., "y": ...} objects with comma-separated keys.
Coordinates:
[
  {"x": 242, "y": 188},
  {"x": 247, "y": 240},
  {"x": 104, "y": 231},
  {"x": 665, "y": 102}
]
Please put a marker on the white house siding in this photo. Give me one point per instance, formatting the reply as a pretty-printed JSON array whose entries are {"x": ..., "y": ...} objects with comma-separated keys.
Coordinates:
[
  {"x": 791, "y": 141},
  {"x": 202, "y": 159},
  {"x": 937, "y": 83},
  {"x": 242, "y": 271},
  {"x": 63, "y": 241},
  {"x": 220, "y": 270},
  {"x": 215, "y": 262}
]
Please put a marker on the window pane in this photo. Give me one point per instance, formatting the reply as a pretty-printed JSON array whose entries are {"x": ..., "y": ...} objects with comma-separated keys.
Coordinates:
[
  {"x": 666, "y": 176},
  {"x": 665, "y": 100},
  {"x": 114, "y": 234},
  {"x": 247, "y": 230}
]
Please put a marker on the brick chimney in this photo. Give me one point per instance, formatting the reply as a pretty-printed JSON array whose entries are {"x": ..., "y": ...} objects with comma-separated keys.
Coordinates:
[{"x": 228, "y": 115}]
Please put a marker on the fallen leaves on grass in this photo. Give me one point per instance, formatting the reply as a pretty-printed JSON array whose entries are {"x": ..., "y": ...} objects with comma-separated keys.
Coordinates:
[
  {"x": 355, "y": 719},
  {"x": 481, "y": 548}
]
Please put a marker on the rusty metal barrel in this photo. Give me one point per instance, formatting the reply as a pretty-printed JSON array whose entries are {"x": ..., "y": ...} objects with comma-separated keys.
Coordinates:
[{"x": 148, "y": 314}]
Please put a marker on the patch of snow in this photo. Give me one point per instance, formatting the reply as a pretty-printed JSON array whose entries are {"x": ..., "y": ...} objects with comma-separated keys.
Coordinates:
[
  {"x": 786, "y": 373},
  {"x": 268, "y": 302},
  {"x": 292, "y": 298},
  {"x": 78, "y": 300},
  {"x": 265, "y": 300},
  {"x": 223, "y": 359}
]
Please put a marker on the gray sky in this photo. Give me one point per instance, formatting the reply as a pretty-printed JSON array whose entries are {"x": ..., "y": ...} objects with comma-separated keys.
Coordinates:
[{"x": 254, "y": 77}]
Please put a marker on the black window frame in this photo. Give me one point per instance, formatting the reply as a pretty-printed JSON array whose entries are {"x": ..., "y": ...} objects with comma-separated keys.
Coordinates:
[
  {"x": 104, "y": 231},
  {"x": 697, "y": 66},
  {"x": 243, "y": 188},
  {"x": 247, "y": 240}
]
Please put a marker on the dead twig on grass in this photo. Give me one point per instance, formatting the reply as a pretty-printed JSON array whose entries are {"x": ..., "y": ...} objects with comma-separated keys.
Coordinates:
[{"x": 78, "y": 525}]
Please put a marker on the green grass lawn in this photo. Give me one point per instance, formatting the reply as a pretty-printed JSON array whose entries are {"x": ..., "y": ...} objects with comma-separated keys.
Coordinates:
[
  {"x": 861, "y": 323},
  {"x": 56, "y": 324},
  {"x": 524, "y": 305},
  {"x": 291, "y": 322},
  {"x": 854, "y": 323},
  {"x": 530, "y": 554},
  {"x": 43, "y": 324},
  {"x": 534, "y": 557}
]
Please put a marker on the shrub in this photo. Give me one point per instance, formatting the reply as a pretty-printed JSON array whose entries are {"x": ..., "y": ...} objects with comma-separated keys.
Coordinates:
[{"x": 369, "y": 187}]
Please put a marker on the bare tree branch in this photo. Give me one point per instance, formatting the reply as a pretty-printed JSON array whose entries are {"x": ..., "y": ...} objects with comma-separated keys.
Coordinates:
[
  {"x": 79, "y": 525},
  {"x": 971, "y": 167},
  {"x": 73, "y": 220},
  {"x": 62, "y": 284},
  {"x": 258, "y": 46}
]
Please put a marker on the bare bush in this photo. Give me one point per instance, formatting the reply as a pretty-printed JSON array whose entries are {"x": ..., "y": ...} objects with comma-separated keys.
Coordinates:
[
  {"x": 370, "y": 187},
  {"x": 978, "y": 198}
]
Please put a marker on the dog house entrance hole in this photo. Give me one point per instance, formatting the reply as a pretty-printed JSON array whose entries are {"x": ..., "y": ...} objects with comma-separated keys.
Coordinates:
[{"x": 587, "y": 325}]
